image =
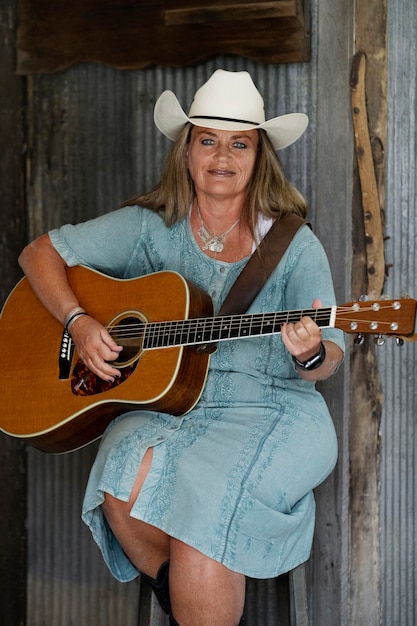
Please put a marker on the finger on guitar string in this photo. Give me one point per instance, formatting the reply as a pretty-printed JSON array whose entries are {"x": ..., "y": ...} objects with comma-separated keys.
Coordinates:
[
  {"x": 96, "y": 348},
  {"x": 303, "y": 338}
]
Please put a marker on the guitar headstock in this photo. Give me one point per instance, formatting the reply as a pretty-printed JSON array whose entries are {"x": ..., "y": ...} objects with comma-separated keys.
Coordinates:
[{"x": 380, "y": 317}]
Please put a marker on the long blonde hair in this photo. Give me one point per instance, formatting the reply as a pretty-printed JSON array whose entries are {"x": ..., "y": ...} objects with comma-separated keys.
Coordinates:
[{"x": 269, "y": 191}]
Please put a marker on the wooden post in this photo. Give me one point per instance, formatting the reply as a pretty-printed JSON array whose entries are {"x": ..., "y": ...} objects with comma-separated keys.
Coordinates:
[{"x": 365, "y": 388}]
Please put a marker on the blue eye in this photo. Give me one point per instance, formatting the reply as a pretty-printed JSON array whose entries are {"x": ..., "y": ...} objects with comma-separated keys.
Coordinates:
[
  {"x": 207, "y": 142},
  {"x": 240, "y": 145}
]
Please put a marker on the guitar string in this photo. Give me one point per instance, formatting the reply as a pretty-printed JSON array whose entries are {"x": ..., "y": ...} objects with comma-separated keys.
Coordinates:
[
  {"x": 233, "y": 323},
  {"x": 229, "y": 321},
  {"x": 237, "y": 321}
]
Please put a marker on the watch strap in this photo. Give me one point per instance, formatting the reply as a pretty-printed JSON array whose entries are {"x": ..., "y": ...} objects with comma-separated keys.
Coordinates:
[{"x": 313, "y": 362}]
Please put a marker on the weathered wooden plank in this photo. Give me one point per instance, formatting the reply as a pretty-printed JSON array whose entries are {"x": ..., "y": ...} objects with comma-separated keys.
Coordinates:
[
  {"x": 13, "y": 236},
  {"x": 299, "y": 599},
  {"x": 371, "y": 211},
  {"x": 333, "y": 183},
  {"x": 365, "y": 387},
  {"x": 232, "y": 11},
  {"x": 130, "y": 35}
]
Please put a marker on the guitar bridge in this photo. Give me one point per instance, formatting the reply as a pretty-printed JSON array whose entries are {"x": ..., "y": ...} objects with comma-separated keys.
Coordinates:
[{"x": 66, "y": 353}]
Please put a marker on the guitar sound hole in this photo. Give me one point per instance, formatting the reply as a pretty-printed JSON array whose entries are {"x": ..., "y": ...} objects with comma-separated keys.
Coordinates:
[{"x": 127, "y": 330}]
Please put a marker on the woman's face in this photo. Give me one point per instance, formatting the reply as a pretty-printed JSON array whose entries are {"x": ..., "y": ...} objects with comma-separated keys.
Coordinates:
[{"x": 221, "y": 162}]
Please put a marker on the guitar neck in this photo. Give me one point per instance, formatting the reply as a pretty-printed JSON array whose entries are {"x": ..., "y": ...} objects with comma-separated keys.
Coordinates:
[{"x": 225, "y": 327}]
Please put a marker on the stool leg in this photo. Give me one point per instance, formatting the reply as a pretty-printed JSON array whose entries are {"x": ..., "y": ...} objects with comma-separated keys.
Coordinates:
[
  {"x": 160, "y": 586},
  {"x": 298, "y": 594}
]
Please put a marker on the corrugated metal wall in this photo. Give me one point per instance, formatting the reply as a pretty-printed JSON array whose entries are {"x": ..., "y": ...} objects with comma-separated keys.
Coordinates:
[
  {"x": 399, "y": 365},
  {"x": 92, "y": 134},
  {"x": 92, "y": 143}
]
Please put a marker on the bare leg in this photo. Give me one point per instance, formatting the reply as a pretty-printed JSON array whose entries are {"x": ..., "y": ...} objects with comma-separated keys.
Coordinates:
[
  {"x": 204, "y": 592},
  {"x": 146, "y": 546}
]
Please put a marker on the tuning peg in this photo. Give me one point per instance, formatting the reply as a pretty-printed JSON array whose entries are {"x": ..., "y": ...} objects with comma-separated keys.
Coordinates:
[
  {"x": 399, "y": 341},
  {"x": 379, "y": 340},
  {"x": 359, "y": 339}
]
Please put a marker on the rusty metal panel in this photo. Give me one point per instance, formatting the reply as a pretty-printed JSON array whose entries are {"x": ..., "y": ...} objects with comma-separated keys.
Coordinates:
[{"x": 398, "y": 364}]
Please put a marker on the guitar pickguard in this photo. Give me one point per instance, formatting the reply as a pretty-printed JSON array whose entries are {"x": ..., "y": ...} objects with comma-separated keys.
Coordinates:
[{"x": 85, "y": 383}]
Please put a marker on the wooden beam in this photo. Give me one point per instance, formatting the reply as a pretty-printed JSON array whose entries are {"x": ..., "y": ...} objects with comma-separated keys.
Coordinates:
[
  {"x": 230, "y": 12},
  {"x": 371, "y": 209},
  {"x": 54, "y": 35}
]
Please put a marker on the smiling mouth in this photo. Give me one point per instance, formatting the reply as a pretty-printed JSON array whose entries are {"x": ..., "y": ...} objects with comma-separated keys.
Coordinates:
[{"x": 221, "y": 172}]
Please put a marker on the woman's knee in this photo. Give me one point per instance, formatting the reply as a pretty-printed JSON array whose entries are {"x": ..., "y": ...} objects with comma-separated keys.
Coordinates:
[
  {"x": 146, "y": 546},
  {"x": 201, "y": 586},
  {"x": 113, "y": 508}
]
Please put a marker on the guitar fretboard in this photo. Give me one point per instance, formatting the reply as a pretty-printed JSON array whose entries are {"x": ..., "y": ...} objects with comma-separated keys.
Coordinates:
[{"x": 212, "y": 329}]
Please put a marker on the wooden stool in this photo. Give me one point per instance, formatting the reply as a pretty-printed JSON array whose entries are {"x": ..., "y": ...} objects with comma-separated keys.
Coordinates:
[
  {"x": 279, "y": 601},
  {"x": 298, "y": 596},
  {"x": 149, "y": 612}
]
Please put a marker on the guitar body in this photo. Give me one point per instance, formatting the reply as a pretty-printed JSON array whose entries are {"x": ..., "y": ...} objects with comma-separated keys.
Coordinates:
[
  {"x": 42, "y": 409},
  {"x": 52, "y": 401}
]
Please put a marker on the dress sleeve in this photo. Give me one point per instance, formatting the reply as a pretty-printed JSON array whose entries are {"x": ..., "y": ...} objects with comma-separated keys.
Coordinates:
[
  {"x": 309, "y": 277},
  {"x": 106, "y": 243}
]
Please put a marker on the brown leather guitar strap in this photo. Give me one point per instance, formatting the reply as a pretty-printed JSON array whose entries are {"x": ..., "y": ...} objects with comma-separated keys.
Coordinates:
[
  {"x": 261, "y": 264},
  {"x": 259, "y": 267}
]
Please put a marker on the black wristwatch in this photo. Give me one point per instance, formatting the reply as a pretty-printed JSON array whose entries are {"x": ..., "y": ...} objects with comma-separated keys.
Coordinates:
[{"x": 313, "y": 362}]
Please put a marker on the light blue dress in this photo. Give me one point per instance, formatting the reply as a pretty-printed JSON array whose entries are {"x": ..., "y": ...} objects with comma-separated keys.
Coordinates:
[{"x": 234, "y": 476}]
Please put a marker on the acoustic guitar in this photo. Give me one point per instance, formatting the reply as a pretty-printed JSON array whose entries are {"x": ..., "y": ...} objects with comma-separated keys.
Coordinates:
[{"x": 50, "y": 400}]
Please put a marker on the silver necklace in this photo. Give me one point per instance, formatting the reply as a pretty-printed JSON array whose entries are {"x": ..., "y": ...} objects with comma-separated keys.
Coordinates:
[{"x": 214, "y": 243}]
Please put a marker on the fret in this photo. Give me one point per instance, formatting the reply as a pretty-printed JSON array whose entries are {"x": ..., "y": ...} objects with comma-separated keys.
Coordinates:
[
  {"x": 265, "y": 325},
  {"x": 224, "y": 328},
  {"x": 211, "y": 330},
  {"x": 246, "y": 326},
  {"x": 196, "y": 335},
  {"x": 166, "y": 335},
  {"x": 148, "y": 338},
  {"x": 180, "y": 333}
]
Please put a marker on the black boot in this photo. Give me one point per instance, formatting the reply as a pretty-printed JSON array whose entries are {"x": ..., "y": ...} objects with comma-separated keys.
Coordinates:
[{"x": 160, "y": 587}]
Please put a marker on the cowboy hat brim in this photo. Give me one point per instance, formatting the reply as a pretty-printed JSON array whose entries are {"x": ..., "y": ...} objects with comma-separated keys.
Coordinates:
[{"x": 170, "y": 119}]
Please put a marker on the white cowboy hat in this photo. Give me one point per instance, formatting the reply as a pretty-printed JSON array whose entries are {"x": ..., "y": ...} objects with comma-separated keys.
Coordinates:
[{"x": 228, "y": 101}]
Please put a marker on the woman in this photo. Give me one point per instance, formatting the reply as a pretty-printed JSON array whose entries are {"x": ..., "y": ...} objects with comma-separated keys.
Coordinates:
[{"x": 197, "y": 503}]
